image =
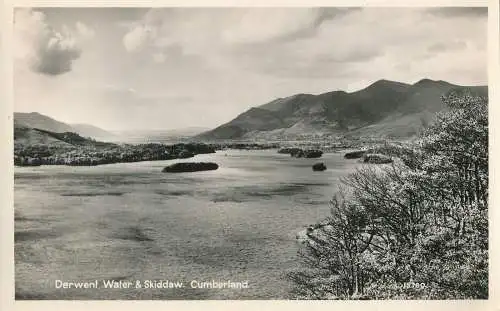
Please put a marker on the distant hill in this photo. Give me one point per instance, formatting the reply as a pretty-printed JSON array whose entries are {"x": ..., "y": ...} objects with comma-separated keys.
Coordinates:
[
  {"x": 25, "y": 136},
  {"x": 36, "y": 128},
  {"x": 95, "y": 132},
  {"x": 383, "y": 109},
  {"x": 39, "y": 121},
  {"x": 160, "y": 135}
]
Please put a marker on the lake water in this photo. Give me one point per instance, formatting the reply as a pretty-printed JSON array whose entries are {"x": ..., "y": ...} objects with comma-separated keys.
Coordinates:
[{"x": 132, "y": 222}]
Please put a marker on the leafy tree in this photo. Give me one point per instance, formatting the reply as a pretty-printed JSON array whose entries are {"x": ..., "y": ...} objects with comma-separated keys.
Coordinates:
[{"x": 420, "y": 221}]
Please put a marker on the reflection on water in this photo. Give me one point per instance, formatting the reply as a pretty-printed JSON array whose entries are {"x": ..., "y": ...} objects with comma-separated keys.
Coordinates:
[{"x": 131, "y": 222}]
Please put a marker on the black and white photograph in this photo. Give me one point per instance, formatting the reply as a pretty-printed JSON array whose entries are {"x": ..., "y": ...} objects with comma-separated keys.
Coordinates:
[{"x": 250, "y": 153}]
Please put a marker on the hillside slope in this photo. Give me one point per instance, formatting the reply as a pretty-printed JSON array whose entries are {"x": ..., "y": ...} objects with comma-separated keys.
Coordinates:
[
  {"x": 88, "y": 130},
  {"x": 37, "y": 120},
  {"x": 25, "y": 136},
  {"x": 40, "y": 121}
]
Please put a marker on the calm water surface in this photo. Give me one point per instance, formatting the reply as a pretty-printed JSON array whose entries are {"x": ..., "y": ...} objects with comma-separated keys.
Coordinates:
[{"x": 131, "y": 222}]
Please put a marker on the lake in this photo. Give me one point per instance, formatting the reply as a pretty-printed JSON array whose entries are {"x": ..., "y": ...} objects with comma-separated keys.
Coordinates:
[{"x": 132, "y": 222}]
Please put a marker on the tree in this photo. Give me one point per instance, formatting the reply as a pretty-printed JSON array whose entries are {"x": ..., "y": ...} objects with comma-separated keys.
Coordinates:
[{"x": 421, "y": 220}]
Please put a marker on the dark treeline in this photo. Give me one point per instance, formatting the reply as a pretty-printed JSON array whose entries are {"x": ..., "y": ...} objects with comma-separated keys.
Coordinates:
[
  {"x": 81, "y": 151},
  {"x": 89, "y": 154},
  {"x": 414, "y": 229}
]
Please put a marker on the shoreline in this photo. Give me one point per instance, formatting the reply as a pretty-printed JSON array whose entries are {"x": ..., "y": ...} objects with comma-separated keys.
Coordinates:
[
  {"x": 32, "y": 156},
  {"x": 169, "y": 159}
]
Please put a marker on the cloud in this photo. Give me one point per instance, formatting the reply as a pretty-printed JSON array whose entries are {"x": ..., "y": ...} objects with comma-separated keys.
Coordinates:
[
  {"x": 264, "y": 25},
  {"x": 247, "y": 38},
  {"x": 84, "y": 30},
  {"x": 312, "y": 43},
  {"x": 138, "y": 37},
  {"x": 44, "y": 49},
  {"x": 196, "y": 28}
]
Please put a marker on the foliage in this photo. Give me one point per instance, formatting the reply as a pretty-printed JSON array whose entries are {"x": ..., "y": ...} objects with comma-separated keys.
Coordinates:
[{"x": 415, "y": 229}]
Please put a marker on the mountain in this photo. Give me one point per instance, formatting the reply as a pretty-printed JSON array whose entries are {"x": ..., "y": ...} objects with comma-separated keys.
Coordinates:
[
  {"x": 40, "y": 121},
  {"x": 25, "y": 136},
  {"x": 35, "y": 120},
  {"x": 383, "y": 109}
]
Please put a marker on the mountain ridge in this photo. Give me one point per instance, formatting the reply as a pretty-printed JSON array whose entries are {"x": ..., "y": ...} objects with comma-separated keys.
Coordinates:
[{"x": 376, "y": 110}]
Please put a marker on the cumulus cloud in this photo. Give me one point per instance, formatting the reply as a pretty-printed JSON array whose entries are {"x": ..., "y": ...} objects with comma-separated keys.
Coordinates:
[
  {"x": 195, "y": 29},
  {"x": 84, "y": 30},
  {"x": 316, "y": 43},
  {"x": 261, "y": 25},
  {"x": 376, "y": 38},
  {"x": 43, "y": 48},
  {"x": 303, "y": 41},
  {"x": 138, "y": 37}
]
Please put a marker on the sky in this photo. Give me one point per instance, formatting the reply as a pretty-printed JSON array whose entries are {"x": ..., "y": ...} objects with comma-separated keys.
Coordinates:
[{"x": 168, "y": 68}]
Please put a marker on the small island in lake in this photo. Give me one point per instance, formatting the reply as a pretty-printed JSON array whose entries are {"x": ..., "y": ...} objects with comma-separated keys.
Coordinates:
[
  {"x": 319, "y": 167},
  {"x": 190, "y": 167}
]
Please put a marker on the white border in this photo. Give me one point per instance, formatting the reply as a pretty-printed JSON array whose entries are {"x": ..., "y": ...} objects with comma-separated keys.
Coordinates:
[{"x": 6, "y": 133}]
